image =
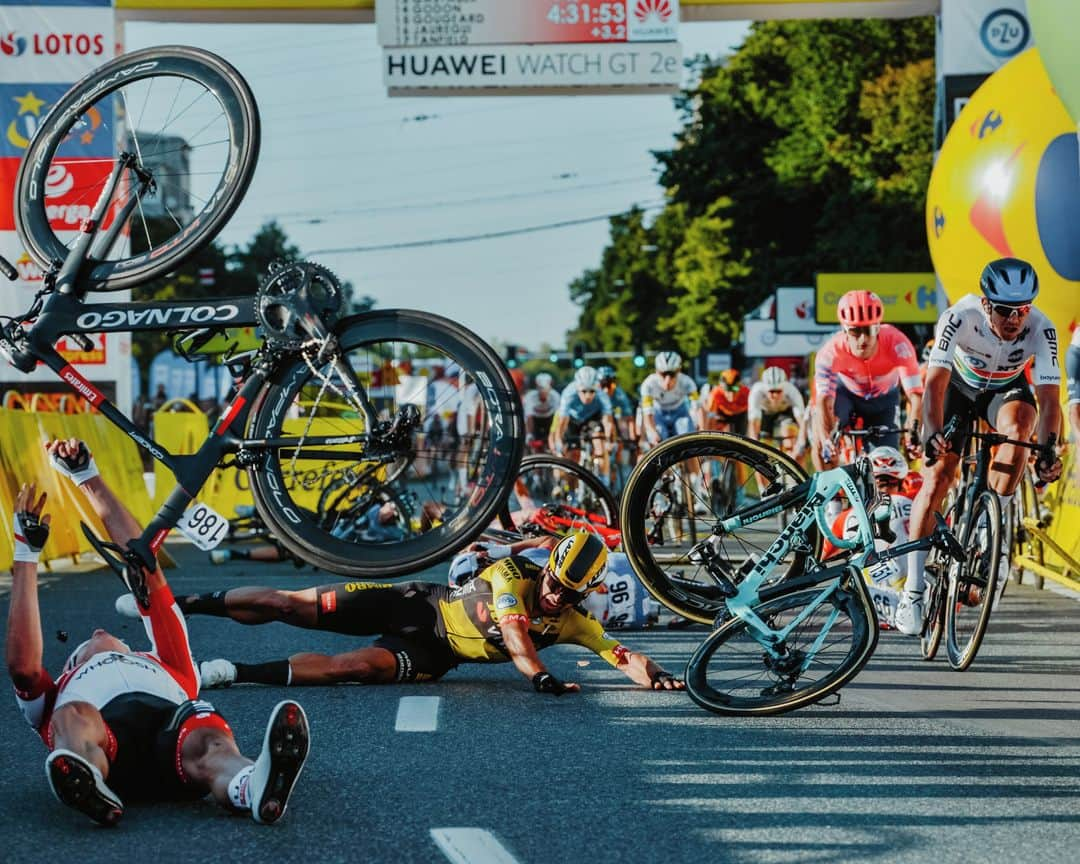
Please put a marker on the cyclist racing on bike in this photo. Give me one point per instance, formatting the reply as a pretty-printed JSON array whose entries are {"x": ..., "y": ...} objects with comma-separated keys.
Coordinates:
[
  {"x": 772, "y": 399},
  {"x": 857, "y": 375},
  {"x": 976, "y": 372},
  {"x": 669, "y": 400},
  {"x": 540, "y": 405},
  {"x": 585, "y": 413}
]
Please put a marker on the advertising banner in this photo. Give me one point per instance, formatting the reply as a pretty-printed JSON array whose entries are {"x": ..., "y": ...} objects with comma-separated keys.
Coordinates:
[
  {"x": 650, "y": 65},
  {"x": 516, "y": 22},
  {"x": 760, "y": 339},
  {"x": 979, "y": 36},
  {"x": 909, "y": 298},
  {"x": 796, "y": 311},
  {"x": 46, "y": 46}
]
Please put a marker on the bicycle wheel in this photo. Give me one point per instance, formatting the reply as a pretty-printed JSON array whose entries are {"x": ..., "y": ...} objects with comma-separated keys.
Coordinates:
[
  {"x": 971, "y": 588},
  {"x": 667, "y": 509},
  {"x": 387, "y": 352},
  {"x": 190, "y": 122},
  {"x": 544, "y": 480},
  {"x": 731, "y": 673},
  {"x": 938, "y": 567},
  {"x": 1025, "y": 508}
]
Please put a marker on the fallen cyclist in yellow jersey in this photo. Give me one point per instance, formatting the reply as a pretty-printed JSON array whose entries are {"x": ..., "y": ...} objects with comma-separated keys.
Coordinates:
[{"x": 508, "y": 612}]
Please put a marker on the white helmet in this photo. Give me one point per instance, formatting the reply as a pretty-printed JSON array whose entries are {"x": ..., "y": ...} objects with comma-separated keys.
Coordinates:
[
  {"x": 544, "y": 381},
  {"x": 586, "y": 378},
  {"x": 888, "y": 462},
  {"x": 668, "y": 361},
  {"x": 774, "y": 377}
]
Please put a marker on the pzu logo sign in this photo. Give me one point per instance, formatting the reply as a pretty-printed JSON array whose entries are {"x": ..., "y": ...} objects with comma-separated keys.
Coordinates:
[{"x": 1005, "y": 33}]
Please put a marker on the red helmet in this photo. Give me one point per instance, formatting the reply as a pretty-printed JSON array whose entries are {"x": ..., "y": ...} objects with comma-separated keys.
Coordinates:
[{"x": 860, "y": 309}]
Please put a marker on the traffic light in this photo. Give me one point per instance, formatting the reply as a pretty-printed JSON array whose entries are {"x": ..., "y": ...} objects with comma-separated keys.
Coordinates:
[
  {"x": 579, "y": 355},
  {"x": 639, "y": 356},
  {"x": 554, "y": 357},
  {"x": 511, "y": 356}
]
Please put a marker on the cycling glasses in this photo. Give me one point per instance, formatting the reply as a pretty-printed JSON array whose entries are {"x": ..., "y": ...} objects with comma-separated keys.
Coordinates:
[
  {"x": 858, "y": 332},
  {"x": 668, "y": 374},
  {"x": 567, "y": 596},
  {"x": 586, "y": 389},
  {"x": 1006, "y": 311}
]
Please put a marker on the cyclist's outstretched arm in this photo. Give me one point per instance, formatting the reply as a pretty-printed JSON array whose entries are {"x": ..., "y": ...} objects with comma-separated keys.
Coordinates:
[
  {"x": 1049, "y": 398},
  {"x": 933, "y": 406}
]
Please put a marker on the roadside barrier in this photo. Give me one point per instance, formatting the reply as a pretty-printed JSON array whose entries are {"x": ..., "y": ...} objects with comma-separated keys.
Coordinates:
[{"x": 22, "y": 459}]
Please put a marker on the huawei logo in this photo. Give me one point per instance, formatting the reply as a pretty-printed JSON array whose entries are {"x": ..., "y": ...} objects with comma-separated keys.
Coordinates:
[{"x": 659, "y": 10}]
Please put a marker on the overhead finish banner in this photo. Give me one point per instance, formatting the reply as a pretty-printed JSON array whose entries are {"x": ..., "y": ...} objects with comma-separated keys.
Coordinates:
[
  {"x": 488, "y": 45},
  {"x": 909, "y": 298},
  {"x": 46, "y": 46}
]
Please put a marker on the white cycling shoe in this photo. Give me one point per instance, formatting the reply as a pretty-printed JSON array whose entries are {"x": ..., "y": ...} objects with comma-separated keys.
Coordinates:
[
  {"x": 127, "y": 606},
  {"x": 285, "y": 748},
  {"x": 216, "y": 673},
  {"x": 78, "y": 783},
  {"x": 909, "y": 613}
]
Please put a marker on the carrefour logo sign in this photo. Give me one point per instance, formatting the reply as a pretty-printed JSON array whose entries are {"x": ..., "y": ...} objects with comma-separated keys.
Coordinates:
[{"x": 1005, "y": 33}]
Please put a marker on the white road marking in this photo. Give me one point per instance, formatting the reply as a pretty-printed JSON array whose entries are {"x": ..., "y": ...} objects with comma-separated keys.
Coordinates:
[
  {"x": 417, "y": 714},
  {"x": 471, "y": 846}
]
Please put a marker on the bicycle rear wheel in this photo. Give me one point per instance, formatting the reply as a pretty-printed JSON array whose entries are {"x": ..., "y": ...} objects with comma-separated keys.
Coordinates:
[
  {"x": 544, "y": 480},
  {"x": 1025, "y": 508},
  {"x": 190, "y": 121},
  {"x": 732, "y": 673},
  {"x": 974, "y": 582},
  {"x": 362, "y": 507},
  {"x": 667, "y": 508}
]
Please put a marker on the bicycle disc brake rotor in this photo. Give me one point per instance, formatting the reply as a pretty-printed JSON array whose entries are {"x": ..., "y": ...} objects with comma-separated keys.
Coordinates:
[{"x": 297, "y": 301}]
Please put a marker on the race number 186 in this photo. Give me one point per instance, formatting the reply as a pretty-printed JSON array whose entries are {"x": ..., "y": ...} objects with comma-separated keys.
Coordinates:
[{"x": 203, "y": 526}]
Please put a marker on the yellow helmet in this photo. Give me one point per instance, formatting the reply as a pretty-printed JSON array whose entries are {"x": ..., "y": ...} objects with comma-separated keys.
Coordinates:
[{"x": 579, "y": 562}]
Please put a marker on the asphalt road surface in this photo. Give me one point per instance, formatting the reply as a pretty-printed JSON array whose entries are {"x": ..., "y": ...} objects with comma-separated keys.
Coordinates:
[{"x": 915, "y": 763}]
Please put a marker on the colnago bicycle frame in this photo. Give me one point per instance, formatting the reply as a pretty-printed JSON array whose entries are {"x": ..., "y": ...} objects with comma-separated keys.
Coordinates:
[{"x": 64, "y": 313}]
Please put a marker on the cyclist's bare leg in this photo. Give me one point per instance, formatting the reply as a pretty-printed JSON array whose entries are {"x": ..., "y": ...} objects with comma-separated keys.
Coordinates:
[
  {"x": 211, "y": 759},
  {"x": 937, "y": 480},
  {"x": 1016, "y": 420},
  {"x": 80, "y": 728},
  {"x": 257, "y": 605},
  {"x": 370, "y": 665}
]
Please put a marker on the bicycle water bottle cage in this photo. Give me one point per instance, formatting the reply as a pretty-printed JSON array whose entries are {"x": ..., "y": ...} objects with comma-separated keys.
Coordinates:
[
  {"x": 705, "y": 555},
  {"x": 124, "y": 563},
  {"x": 297, "y": 303}
]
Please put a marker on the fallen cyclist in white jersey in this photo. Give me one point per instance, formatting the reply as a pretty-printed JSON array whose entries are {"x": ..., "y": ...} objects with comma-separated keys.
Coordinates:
[{"x": 123, "y": 724}]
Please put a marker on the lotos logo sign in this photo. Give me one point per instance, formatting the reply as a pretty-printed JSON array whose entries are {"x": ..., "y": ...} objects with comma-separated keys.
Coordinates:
[
  {"x": 659, "y": 11},
  {"x": 12, "y": 45},
  {"x": 53, "y": 44}
]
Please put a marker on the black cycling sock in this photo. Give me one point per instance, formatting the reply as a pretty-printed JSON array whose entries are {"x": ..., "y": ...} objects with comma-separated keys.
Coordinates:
[
  {"x": 241, "y": 554},
  {"x": 204, "y": 604},
  {"x": 277, "y": 672}
]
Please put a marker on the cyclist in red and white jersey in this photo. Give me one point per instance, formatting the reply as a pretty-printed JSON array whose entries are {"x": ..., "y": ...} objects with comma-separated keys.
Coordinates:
[
  {"x": 859, "y": 373},
  {"x": 128, "y": 723},
  {"x": 976, "y": 371}
]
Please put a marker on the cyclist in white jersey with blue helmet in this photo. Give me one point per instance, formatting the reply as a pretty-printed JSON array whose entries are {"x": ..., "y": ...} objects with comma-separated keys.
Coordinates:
[
  {"x": 585, "y": 413},
  {"x": 976, "y": 371},
  {"x": 669, "y": 400}
]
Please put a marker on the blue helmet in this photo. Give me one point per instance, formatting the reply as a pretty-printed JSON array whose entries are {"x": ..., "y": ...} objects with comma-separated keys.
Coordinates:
[
  {"x": 606, "y": 373},
  {"x": 1009, "y": 280}
]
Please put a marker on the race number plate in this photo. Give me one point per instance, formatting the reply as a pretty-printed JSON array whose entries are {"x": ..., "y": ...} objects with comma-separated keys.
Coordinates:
[{"x": 203, "y": 526}]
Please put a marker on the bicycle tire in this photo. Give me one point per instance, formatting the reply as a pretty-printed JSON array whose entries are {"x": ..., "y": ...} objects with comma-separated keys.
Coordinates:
[
  {"x": 938, "y": 563},
  {"x": 597, "y": 499},
  {"x": 297, "y": 522},
  {"x": 744, "y": 684},
  {"x": 982, "y": 526},
  {"x": 1025, "y": 505},
  {"x": 86, "y": 104},
  {"x": 682, "y": 587}
]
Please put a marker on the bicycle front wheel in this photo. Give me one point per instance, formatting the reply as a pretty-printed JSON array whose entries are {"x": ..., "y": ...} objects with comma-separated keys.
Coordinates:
[
  {"x": 974, "y": 582},
  {"x": 190, "y": 123},
  {"x": 670, "y": 504},
  {"x": 552, "y": 481},
  {"x": 732, "y": 673},
  {"x": 938, "y": 567},
  {"x": 370, "y": 506}
]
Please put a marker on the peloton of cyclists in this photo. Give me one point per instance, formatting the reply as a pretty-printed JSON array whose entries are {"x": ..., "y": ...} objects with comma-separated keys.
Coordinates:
[
  {"x": 858, "y": 375},
  {"x": 772, "y": 400},
  {"x": 976, "y": 371},
  {"x": 669, "y": 400},
  {"x": 539, "y": 406},
  {"x": 585, "y": 412}
]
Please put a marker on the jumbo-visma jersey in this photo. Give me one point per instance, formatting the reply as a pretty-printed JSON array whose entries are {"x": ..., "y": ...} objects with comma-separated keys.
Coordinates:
[{"x": 510, "y": 588}]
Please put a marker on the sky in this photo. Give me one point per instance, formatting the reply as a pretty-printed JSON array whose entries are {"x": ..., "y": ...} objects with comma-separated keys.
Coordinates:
[{"x": 342, "y": 165}]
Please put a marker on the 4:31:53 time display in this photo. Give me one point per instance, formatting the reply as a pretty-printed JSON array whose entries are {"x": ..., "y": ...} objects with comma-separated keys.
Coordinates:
[{"x": 587, "y": 13}]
